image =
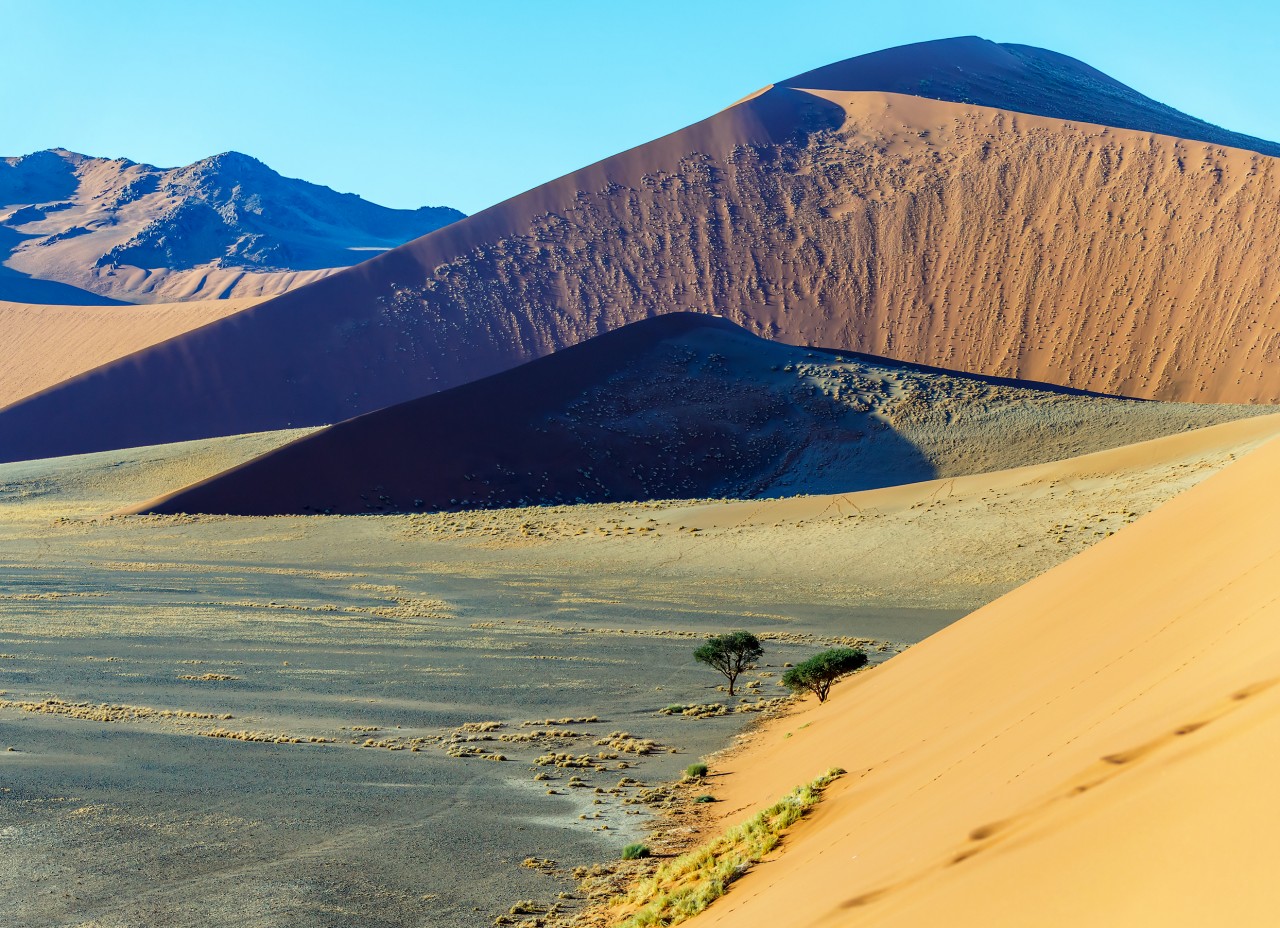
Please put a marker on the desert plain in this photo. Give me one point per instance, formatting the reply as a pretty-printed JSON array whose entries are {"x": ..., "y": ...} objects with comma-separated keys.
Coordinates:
[{"x": 290, "y": 705}]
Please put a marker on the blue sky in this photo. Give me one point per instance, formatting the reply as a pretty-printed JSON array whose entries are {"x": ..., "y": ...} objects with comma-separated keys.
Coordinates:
[{"x": 464, "y": 104}]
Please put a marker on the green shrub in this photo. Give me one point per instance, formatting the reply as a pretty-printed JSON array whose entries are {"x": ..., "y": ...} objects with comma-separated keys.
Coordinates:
[
  {"x": 695, "y": 771},
  {"x": 705, "y": 798},
  {"x": 818, "y": 673},
  {"x": 635, "y": 851}
]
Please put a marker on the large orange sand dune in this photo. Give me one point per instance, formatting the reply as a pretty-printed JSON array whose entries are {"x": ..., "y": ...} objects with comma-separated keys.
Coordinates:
[
  {"x": 1099, "y": 747},
  {"x": 975, "y": 238}
]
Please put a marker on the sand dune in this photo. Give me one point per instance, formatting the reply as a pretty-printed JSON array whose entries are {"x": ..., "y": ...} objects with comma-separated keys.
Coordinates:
[
  {"x": 684, "y": 405},
  {"x": 47, "y": 345},
  {"x": 1019, "y": 78},
  {"x": 1096, "y": 747},
  {"x": 94, "y": 484},
  {"x": 205, "y": 283},
  {"x": 860, "y": 220}
]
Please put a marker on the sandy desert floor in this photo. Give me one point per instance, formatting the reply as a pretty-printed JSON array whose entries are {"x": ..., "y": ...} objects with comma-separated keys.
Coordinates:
[{"x": 326, "y": 650}]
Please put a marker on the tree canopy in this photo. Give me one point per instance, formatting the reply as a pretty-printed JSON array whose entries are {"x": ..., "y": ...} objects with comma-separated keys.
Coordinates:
[
  {"x": 818, "y": 673},
  {"x": 730, "y": 654}
]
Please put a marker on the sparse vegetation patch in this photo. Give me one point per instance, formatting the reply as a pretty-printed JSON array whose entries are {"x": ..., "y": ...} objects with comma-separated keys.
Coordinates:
[{"x": 684, "y": 887}]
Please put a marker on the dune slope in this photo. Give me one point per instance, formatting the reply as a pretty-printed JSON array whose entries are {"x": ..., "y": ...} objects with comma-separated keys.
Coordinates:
[
  {"x": 1137, "y": 264},
  {"x": 683, "y": 405},
  {"x": 1021, "y": 78},
  {"x": 1096, "y": 747},
  {"x": 46, "y": 344}
]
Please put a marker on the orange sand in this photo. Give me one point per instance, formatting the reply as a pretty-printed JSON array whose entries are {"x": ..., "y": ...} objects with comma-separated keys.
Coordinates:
[
  {"x": 1097, "y": 747},
  {"x": 970, "y": 238},
  {"x": 45, "y": 345}
]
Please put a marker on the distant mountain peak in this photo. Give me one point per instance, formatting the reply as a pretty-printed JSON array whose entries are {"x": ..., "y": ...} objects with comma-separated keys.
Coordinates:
[
  {"x": 232, "y": 161},
  {"x": 1021, "y": 78},
  {"x": 87, "y": 221}
]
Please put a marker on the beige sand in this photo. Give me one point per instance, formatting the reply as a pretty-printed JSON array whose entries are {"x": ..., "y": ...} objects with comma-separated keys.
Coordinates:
[
  {"x": 45, "y": 345},
  {"x": 1095, "y": 748}
]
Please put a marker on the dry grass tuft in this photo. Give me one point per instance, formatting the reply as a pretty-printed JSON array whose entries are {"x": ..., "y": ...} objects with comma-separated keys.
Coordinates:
[
  {"x": 467, "y": 750},
  {"x": 541, "y": 734},
  {"x": 480, "y": 726},
  {"x": 266, "y": 737},
  {"x": 103, "y": 712},
  {"x": 625, "y": 742},
  {"x": 583, "y": 762},
  {"x": 585, "y": 720}
]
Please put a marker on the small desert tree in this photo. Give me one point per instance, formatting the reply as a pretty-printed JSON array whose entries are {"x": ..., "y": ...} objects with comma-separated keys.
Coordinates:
[
  {"x": 818, "y": 673},
  {"x": 730, "y": 654}
]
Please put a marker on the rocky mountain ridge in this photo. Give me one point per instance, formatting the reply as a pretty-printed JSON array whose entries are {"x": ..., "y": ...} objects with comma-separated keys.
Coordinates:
[{"x": 227, "y": 225}]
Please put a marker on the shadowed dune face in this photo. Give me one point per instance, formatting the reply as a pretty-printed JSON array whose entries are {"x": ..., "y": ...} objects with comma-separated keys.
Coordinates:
[
  {"x": 1137, "y": 265},
  {"x": 681, "y": 406}
]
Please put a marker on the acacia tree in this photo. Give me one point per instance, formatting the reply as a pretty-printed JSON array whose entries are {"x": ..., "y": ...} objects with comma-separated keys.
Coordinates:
[
  {"x": 730, "y": 654},
  {"x": 818, "y": 673}
]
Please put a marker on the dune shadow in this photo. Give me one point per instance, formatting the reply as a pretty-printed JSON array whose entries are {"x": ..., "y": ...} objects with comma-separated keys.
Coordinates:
[{"x": 677, "y": 407}]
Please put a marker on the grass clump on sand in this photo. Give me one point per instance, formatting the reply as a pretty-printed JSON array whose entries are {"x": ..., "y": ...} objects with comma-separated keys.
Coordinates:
[
  {"x": 695, "y": 771},
  {"x": 635, "y": 851},
  {"x": 685, "y": 886}
]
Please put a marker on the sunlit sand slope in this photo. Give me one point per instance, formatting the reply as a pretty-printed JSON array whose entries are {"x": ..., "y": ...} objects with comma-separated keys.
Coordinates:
[
  {"x": 46, "y": 345},
  {"x": 1097, "y": 747}
]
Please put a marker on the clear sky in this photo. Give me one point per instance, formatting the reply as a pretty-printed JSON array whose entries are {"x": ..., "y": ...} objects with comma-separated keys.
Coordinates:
[{"x": 410, "y": 102}]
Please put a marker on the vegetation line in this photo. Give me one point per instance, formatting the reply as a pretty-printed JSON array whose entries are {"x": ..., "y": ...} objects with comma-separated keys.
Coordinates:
[{"x": 685, "y": 886}]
